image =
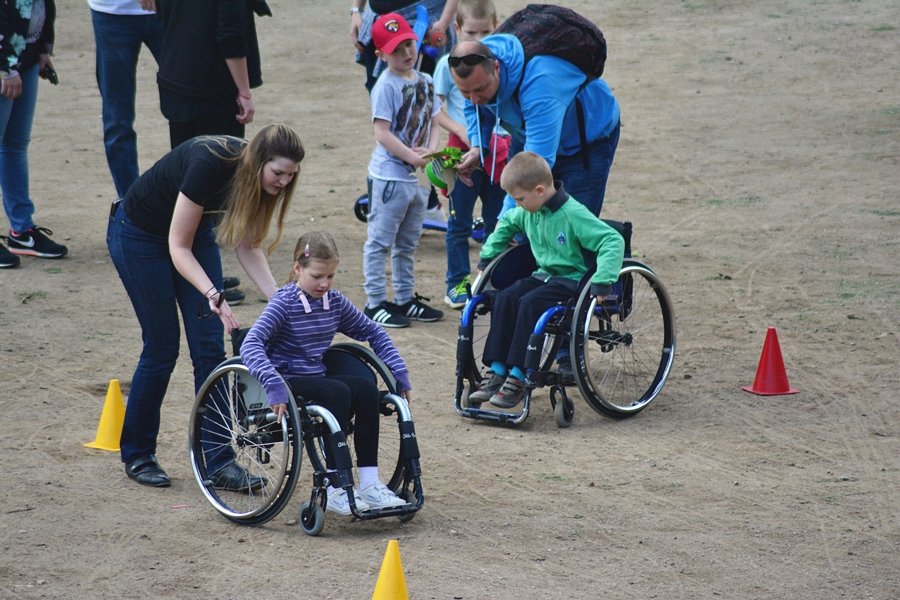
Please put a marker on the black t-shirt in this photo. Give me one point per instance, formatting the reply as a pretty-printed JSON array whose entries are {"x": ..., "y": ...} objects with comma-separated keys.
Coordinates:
[{"x": 201, "y": 168}]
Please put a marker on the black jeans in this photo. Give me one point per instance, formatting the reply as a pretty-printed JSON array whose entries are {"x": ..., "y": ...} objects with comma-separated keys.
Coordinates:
[{"x": 344, "y": 396}]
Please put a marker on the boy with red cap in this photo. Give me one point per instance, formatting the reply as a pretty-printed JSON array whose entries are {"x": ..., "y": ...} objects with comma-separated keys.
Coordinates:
[{"x": 403, "y": 104}]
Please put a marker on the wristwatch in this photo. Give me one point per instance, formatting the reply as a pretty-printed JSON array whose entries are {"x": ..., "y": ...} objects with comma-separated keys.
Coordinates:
[{"x": 354, "y": 11}]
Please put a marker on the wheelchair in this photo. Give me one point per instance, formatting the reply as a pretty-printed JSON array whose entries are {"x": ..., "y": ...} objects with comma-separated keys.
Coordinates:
[
  {"x": 231, "y": 411},
  {"x": 621, "y": 350}
]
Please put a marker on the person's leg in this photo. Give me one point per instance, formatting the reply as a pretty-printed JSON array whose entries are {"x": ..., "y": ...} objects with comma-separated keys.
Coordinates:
[
  {"x": 16, "y": 117},
  {"x": 531, "y": 305},
  {"x": 143, "y": 263},
  {"x": 118, "y": 40},
  {"x": 504, "y": 310},
  {"x": 589, "y": 186},
  {"x": 220, "y": 122},
  {"x": 459, "y": 228},
  {"x": 386, "y": 211},
  {"x": 409, "y": 231},
  {"x": 181, "y": 131},
  {"x": 328, "y": 392}
]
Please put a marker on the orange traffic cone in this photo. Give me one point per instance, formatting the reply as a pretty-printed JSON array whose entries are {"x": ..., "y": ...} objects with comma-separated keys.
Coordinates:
[
  {"x": 771, "y": 378},
  {"x": 390, "y": 584},
  {"x": 111, "y": 420}
]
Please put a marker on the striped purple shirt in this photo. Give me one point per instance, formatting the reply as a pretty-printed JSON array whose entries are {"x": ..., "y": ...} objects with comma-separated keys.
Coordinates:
[{"x": 289, "y": 341}]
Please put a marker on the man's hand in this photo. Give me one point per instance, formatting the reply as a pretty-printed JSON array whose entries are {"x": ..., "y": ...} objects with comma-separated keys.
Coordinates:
[{"x": 471, "y": 161}]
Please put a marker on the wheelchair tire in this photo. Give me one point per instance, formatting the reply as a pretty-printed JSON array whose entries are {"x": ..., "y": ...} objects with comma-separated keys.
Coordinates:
[
  {"x": 231, "y": 414},
  {"x": 563, "y": 407},
  {"x": 312, "y": 519},
  {"x": 623, "y": 351},
  {"x": 361, "y": 208}
]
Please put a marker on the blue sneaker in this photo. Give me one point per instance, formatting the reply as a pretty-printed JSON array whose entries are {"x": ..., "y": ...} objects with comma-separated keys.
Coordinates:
[{"x": 458, "y": 295}]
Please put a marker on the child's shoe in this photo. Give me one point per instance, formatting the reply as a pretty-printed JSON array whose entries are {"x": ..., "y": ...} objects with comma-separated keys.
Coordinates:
[
  {"x": 8, "y": 260},
  {"x": 35, "y": 242},
  {"x": 379, "y": 495},
  {"x": 387, "y": 315},
  {"x": 416, "y": 310},
  {"x": 458, "y": 295},
  {"x": 510, "y": 393},
  {"x": 489, "y": 386},
  {"x": 340, "y": 504}
]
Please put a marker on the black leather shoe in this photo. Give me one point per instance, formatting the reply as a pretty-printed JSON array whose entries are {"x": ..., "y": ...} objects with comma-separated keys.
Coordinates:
[
  {"x": 146, "y": 471},
  {"x": 234, "y": 296},
  {"x": 234, "y": 478}
]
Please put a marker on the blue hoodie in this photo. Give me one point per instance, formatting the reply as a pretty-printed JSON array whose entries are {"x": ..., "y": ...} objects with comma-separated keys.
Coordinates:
[{"x": 546, "y": 102}]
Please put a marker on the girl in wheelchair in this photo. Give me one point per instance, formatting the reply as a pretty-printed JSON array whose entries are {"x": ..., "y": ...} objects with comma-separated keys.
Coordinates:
[
  {"x": 563, "y": 234},
  {"x": 290, "y": 338}
]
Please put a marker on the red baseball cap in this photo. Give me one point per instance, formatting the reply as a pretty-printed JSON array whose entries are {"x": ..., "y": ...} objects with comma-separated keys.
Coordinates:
[{"x": 389, "y": 30}]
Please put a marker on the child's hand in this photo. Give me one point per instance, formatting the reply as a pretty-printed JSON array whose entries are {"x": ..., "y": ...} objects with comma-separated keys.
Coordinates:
[
  {"x": 406, "y": 395},
  {"x": 280, "y": 410}
]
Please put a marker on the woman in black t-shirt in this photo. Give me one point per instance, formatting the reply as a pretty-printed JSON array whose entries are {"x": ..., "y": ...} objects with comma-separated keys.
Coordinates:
[{"x": 163, "y": 242}]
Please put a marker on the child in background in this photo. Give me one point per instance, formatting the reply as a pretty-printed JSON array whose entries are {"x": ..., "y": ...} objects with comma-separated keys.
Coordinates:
[
  {"x": 560, "y": 230},
  {"x": 403, "y": 105},
  {"x": 475, "y": 19},
  {"x": 291, "y": 337}
]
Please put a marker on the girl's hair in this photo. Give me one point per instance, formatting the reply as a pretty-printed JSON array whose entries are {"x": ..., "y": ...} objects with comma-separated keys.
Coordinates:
[
  {"x": 248, "y": 209},
  {"x": 314, "y": 245}
]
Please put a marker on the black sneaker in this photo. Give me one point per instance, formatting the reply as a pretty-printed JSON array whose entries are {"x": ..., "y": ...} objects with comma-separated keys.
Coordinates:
[
  {"x": 8, "y": 260},
  {"x": 234, "y": 297},
  {"x": 386, "y": 315},
  {"x": 417, "y": 310},
  {"x": 229, "y": 283},
  {"x": 35, "y": 242}
]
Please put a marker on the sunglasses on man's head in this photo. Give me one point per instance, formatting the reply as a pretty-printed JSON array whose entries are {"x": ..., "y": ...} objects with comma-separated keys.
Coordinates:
[{"x": 470, "y": 60}]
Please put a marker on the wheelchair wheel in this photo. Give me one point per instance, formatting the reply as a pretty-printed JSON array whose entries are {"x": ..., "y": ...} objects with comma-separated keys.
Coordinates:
[
  {"x": 231, "y": 416},
  {"x": 312, "y": 519},
  {"x": 361, "y": 208},
  {"x": 623, "y": 350},
  {"x": 563, "y": 407}
]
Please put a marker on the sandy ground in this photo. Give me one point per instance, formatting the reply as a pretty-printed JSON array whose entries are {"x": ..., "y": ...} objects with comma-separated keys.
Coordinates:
[{"x": 759, "y": 163}]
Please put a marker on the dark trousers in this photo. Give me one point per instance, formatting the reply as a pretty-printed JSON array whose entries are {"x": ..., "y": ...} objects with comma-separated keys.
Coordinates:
[
  {"x": 514, "y": 313},
  {"x": 344, "y": 396},
  {"x": 213, "y": 123}
]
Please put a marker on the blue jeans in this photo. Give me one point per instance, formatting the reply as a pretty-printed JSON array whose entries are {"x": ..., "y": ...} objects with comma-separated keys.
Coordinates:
[
  {"x": 396, "y": 213},
  {"x": 157, "y": 291},
  {"x": 118, "y": 39},
  {"x": 459, "y": 225},
  {"x": 16, "y": 117}
]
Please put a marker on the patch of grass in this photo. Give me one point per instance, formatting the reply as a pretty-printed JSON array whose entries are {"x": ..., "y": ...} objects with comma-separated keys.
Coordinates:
[
  {"x": 880, "y": 212},
  {"x": 716, "y": 201},
  {"x": 881, "y": 28},
  {"x": 773, "y": 16},
  {"x": 27, "y": 296},
  {"x": 53, "y": 270},
  {"x": 891, "y": 111}
]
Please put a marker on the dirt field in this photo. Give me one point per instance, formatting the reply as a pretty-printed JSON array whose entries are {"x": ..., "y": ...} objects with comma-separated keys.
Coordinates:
[{"x": 760, "y": 164}]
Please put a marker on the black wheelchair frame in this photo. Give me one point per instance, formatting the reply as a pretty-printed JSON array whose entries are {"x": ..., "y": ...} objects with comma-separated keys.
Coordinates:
[
  {"x": 621, "y": 350},
  {"x": 231, "y": 409}
]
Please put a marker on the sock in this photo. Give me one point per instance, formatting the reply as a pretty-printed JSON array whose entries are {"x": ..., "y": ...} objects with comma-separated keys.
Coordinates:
[
  {"x": 367, "y": 476},
  {"x": 517, "y": 373},
  {"x": 498, "y": 368}
]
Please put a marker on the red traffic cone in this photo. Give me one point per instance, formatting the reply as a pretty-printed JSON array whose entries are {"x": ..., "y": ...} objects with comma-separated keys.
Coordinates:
[{"x": 771, "y": 378}]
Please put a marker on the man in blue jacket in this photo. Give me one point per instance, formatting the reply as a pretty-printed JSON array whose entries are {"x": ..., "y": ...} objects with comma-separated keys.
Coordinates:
[{"x": 538, "y": 103}]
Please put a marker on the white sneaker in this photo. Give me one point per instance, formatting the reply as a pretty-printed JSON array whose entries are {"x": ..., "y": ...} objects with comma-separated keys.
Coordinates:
[
  {"x": 435, "y": 216},
  {"x": 340, "y": 504},
  {"x": 379, "y": 495}
]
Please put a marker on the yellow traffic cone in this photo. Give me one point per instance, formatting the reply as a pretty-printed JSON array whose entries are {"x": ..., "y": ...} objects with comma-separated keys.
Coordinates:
[
  {"x": 391, "y": 585},
  {"x": 110, "y": 429}
]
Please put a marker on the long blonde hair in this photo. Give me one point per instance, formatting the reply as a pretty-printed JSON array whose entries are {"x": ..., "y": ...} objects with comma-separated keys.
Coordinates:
[{"x": 248, "y": 210}]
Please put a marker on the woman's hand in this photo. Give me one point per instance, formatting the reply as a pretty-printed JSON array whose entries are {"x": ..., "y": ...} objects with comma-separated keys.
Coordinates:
[
  {"x": 11, "y": 85},
  {"x": 224, "y": 311},
  {"x": 355, "y": 24},
  {"x": 246, "y": 109}
]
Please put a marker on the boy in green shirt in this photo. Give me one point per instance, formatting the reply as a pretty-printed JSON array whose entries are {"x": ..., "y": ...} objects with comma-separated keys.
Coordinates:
[{"x": 559, "y": 229}]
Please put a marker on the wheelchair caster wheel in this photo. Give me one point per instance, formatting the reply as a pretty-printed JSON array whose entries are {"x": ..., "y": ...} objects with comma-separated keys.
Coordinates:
[
  {"x": 410, "y": 499},
  {"x": 563, "y": 407},
  {"x": 361, "y": 208},
  {"x": 312, "y": 519}
]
